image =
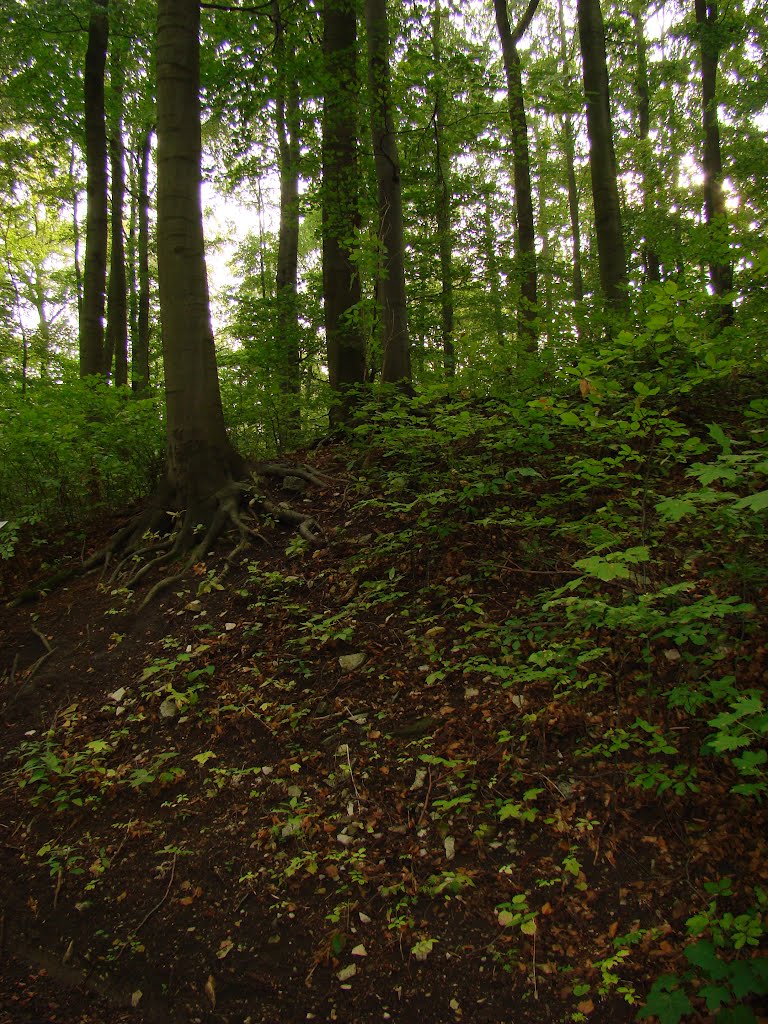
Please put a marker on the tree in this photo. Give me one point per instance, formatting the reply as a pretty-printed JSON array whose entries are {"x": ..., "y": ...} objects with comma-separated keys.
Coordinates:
[
  {"x": 526, "y": 229},
  {"x": 720, "y": 267},
  {"x": 140, "y": 336},
  {"x": 116, "y": 337},
  {"x": 95, "y": 269},
  {"x": 204, "y": 475},
  {"x": 602, "y": 158},
  {"x": 396, "y": 362},
  {"x": 341, "y": 219},
  {"x": 286, "y": 275},
  {"x": 443, "y": 196}
]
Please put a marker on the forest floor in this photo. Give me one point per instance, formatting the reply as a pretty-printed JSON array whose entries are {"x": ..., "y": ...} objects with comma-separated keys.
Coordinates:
[{"x": 355, "y": 784}]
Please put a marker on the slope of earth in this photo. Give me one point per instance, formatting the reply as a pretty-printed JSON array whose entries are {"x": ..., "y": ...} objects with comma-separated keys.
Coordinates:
[{"x": 495, "y": 753}]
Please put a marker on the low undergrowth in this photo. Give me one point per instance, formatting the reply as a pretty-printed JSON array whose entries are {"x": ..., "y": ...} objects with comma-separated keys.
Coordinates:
[{"x": 509, "y": 726}]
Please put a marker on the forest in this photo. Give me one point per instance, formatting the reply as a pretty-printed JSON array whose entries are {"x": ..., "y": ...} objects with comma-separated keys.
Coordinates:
[{"x": 383, "y": 511}]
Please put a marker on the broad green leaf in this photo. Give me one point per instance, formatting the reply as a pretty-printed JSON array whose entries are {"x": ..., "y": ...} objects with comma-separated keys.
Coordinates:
[{"x": 757, "y": 502}]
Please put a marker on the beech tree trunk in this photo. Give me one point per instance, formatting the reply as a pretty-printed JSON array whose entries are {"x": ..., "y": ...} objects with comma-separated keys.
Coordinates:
[
  {"x": 527, "y": 312},
  {"x": 443, "y": 199},
  {"x": 569, "y": 151},
  {"x": 116, "y": 340},
  {"x": 200, "y": 459},
  {"x": 715, "y": 212},
  {"x": 602, "y": 159},
  {"x": 96, "y": 222},
  {"x": 396, "y": 361},
  {"x": 340, "y": 215},
  {"x": 490, "y": 253},
  {"x": 140, "y": 341},
  {"x": 287, "y": 275},
  {"x": 651, "y": 262}
]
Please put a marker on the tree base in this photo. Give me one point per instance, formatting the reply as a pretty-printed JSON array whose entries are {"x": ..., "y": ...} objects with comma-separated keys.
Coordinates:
[{"x": 178, "y": 530}]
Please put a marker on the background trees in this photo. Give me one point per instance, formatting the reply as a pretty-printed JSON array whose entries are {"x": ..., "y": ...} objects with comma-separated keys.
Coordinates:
[{"x": 549, "y": 157}]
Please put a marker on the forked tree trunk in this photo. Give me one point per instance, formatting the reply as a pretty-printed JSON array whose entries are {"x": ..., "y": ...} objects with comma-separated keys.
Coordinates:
[
  {"x": 200, "y": 459},
  {"x": 602, "y": 159},
  {"x": 95, "y": 270},
  {"x": 396, "y": 361},
  {"x": 341, "y": 218}
]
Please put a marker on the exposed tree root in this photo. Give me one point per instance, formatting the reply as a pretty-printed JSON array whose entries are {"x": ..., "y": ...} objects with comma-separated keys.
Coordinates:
[
  {"x": 183, "y": 536},
  {"x": 159, "y": 538}
]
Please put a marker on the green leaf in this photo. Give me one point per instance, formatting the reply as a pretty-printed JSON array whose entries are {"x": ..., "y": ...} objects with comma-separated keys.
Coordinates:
[
  {"x": 757, "y": 502},
  {"x": 704, "y": 956},
  {"x": 666, "y": 1001},
  {"x": 717, "y": 434},
  {"x": 675, "y": 509}
]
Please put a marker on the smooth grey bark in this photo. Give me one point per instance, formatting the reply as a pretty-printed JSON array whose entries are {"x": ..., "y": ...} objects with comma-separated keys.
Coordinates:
[
  {"x": 715, "y": 212},
  {"x": 287, "y": 273},
  {"x": 396, "y": 356},
  {"x": 340, "y": 213},
  {"x": 569, "y": 152},
  {"x": 443, "y": 210},
  {"x": 602, "y": 159},
  {"x": 116, "y": 337},
  {"x": 96, "y": 223},
  {"x": 140, "y": 339},
  {"x": 650, "y": 257},
  {"x": 75, "y": 191},
  {"x": 492, "y": 276},
  {"x": 527, "y": 313},
  {"x": 200, "y": 459}
]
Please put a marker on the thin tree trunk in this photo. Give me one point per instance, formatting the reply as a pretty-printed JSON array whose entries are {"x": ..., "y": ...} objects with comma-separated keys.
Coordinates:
[
  {"x": 76, "y": 232},
  {"x": 602, "y": 158},
  {"x": 527, "y": 314},
  {"x": 569, "y": 147},
  {"x": 443, "y": 199},
  {"x": 287, "y": 275},
  {"x": 340, "y": 216},
  {"x": 140, "y": 346},
  {"x": 492, "y": 277},
  {"x": 116, "y": 341},
  {"x": 569, "y": 152},
  {"x": 650, "y": 257},
  {"x": 396, "y": 361},
  {"x": 95, "y": 271},
  {"x": 715, "y": 212}
]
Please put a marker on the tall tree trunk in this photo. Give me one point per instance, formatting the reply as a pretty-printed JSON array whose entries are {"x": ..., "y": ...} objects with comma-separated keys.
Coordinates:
[
  {"x": 715, "y": 212},
  {"x": 569, "y": 152},
  {"x": 340, "y": 216},
  {"x": 76, "y": 232},
  {"x": 95, "y": 271},
  {"x": 200, "y": 459},
  {"x": 492, "y": 276},
  {"x": 642, "y": 89},
  {"x": 287, "y": 276},
  {"x": 527, "y": 314},
  {"x": 602, "y": 158},
  {"x": 396, "y": 361},
  {"x": 140, "y": 342},
  {"x": 443, "y": 210},
  {"x": 116, "y": 340}
]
